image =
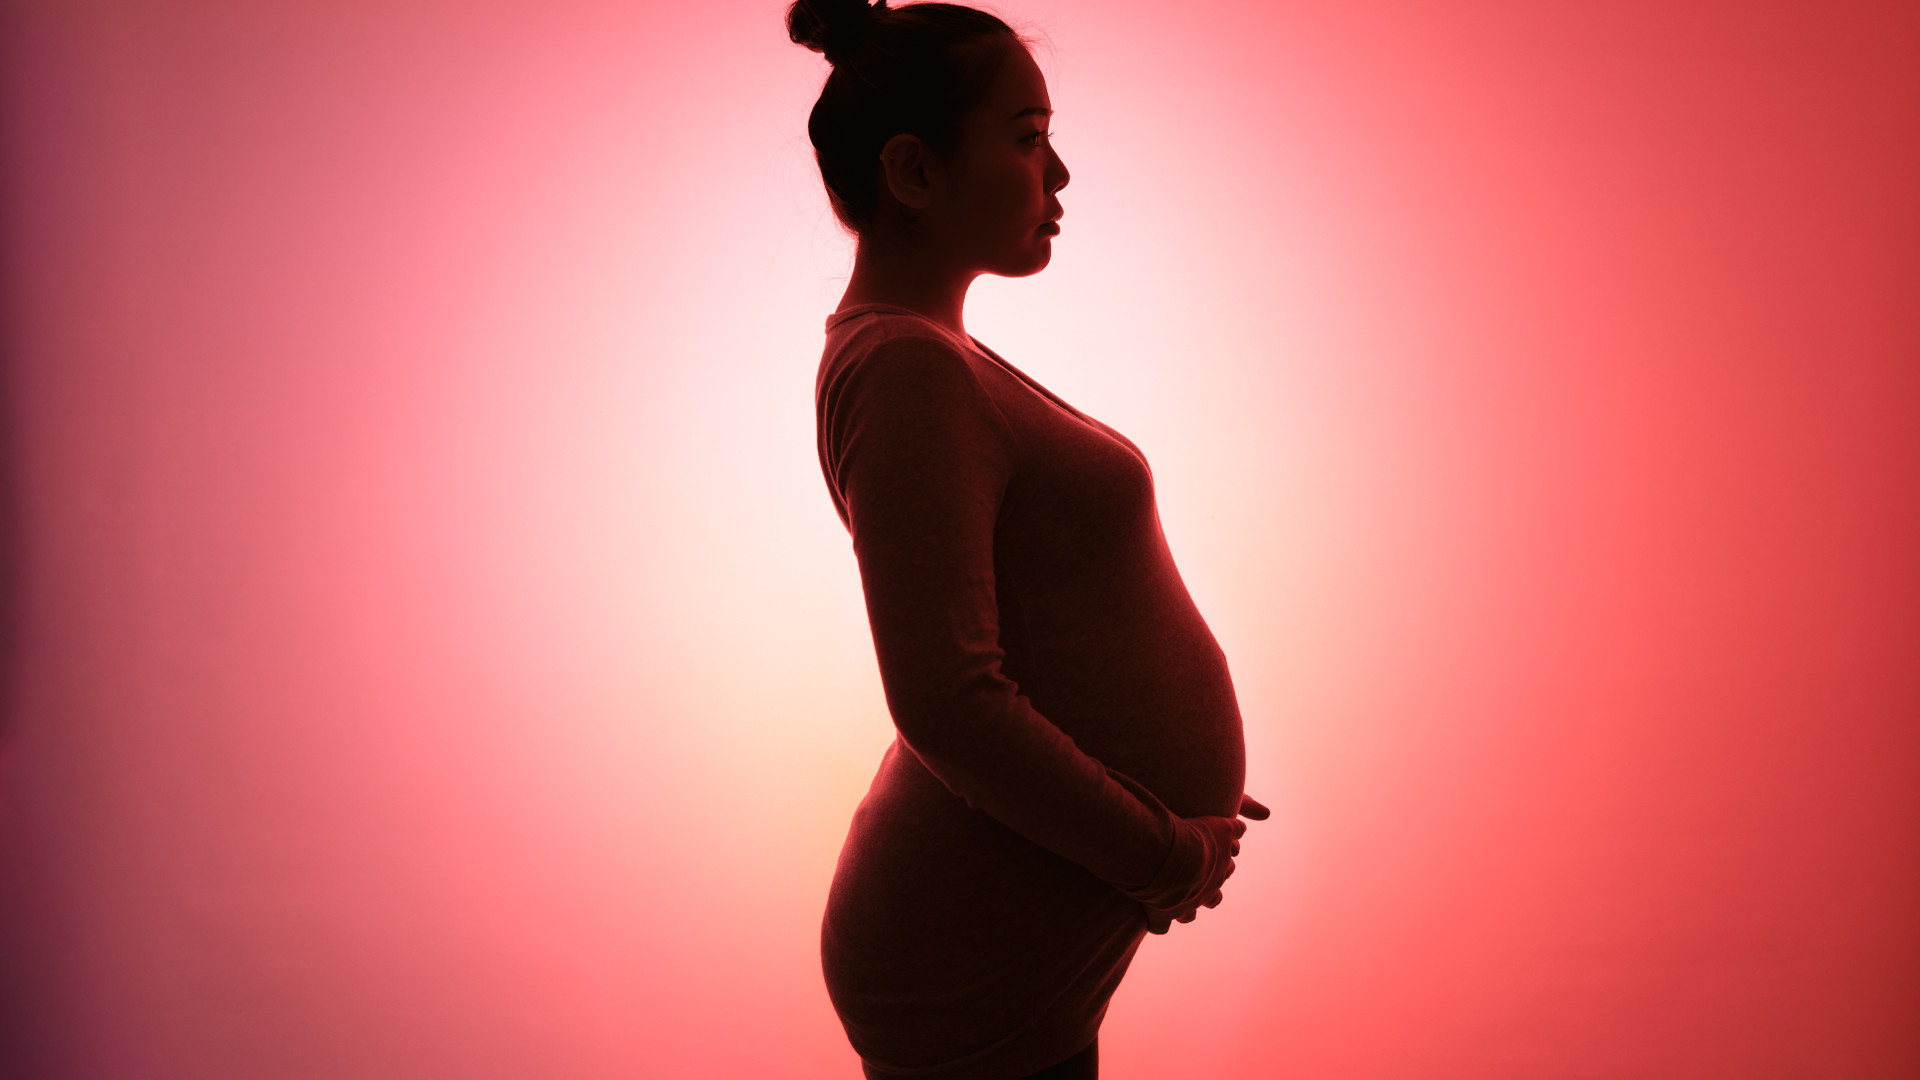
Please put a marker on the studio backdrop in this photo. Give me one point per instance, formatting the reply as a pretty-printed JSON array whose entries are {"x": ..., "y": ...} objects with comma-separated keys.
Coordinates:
[{"x": 431, "y": 651}]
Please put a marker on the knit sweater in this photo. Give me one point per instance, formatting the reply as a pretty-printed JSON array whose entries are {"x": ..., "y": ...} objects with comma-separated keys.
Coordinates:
[{"x": 1060, "y": 707}]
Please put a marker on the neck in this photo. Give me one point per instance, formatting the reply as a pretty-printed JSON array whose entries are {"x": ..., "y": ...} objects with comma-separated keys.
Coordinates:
[{"x": 894, "y": 273}]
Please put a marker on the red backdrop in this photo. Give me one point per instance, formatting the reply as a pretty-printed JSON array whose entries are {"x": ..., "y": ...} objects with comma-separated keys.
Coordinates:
[{"x": 434, "y": 652}]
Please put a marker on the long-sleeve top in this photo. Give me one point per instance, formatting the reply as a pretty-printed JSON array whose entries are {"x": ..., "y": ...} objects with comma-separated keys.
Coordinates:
[{"x": 1058, "y": 699}]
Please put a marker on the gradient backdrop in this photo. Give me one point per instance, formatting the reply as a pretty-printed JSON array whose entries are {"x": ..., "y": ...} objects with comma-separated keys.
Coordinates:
[{"x": 434, "y": 653}]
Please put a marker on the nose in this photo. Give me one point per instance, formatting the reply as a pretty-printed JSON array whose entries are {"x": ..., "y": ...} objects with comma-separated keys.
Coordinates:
[{"x": 1058, "y": 175}]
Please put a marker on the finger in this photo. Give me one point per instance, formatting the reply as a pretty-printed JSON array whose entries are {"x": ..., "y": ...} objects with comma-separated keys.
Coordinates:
[
  {"x": 1234, "y": 849},
  {"x": 1214, "y": 900},
  {"x": 1239, "y": 828},
  {"x": 1229, "y": 872},
  {"x": 1187, "y": 918},
  {"x": 1251, "y": 808}
]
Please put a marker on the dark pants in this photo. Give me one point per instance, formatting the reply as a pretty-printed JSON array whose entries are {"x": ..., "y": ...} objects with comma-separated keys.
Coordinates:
[{"x": 1084, "y": 1065}]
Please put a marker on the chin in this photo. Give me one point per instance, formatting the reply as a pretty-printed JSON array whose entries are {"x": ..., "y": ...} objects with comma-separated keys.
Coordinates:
[{"x": 1030, "y": 262}]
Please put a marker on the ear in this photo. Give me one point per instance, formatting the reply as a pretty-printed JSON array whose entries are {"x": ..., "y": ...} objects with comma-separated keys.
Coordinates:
[{"x": 909, "y": 167}]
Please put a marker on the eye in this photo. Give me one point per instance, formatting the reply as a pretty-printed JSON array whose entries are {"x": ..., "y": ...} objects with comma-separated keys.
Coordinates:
[{"x": 1037, "y": 137}]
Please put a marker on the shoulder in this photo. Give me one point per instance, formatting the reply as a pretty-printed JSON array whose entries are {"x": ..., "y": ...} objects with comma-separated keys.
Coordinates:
[
  {"x": 897, "y": 355},
  {"x": 897, "y": 371},
  {"x": 883, "y": 339}
]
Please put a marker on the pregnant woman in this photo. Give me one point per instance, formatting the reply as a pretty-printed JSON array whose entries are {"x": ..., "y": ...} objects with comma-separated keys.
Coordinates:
[{"x": 1068, "y": 768}]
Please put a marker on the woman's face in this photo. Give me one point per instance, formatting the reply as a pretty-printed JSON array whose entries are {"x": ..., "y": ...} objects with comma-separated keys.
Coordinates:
[{"x": 1005, "y": 175}]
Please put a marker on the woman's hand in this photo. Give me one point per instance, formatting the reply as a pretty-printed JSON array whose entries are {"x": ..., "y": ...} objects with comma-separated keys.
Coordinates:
[
  {"x": 1219, "y": 838},
  {"x": 1251, "y": 809}
]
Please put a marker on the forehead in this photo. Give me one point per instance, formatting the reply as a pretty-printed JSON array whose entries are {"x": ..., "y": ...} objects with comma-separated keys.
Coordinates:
[{"x": 1017, "y": 85}]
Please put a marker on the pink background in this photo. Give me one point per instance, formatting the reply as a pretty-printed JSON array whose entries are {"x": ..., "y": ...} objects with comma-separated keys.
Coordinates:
[{"x": 436, "y": 655}]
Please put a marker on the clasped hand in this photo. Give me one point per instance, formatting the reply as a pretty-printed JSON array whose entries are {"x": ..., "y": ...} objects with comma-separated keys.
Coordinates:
[{"x": 1221, "y": 836}]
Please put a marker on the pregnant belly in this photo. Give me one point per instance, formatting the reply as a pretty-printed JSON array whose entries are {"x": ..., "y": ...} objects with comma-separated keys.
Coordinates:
[
  {"x": 1187, "y": 749},
  {"x": 1158, "y": 705}
]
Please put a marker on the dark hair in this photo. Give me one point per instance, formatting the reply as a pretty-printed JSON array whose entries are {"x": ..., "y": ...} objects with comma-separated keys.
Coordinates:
[{"x": 916, "y": 69}]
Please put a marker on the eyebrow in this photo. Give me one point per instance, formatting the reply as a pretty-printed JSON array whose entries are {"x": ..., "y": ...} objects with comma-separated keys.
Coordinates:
[{"x": 1031, "y": 110}]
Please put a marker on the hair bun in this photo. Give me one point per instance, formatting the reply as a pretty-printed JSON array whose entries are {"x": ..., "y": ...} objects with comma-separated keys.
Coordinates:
[{"x": 830, "y": 27}]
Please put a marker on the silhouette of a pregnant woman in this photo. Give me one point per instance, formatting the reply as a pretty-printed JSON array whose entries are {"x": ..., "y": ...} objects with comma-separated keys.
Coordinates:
[{"x": 1069, "y": 762}]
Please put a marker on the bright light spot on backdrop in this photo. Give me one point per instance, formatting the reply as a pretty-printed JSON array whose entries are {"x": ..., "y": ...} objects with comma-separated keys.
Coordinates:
[{"x": 437, "y": 654}]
